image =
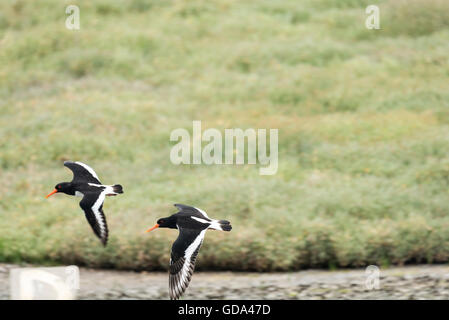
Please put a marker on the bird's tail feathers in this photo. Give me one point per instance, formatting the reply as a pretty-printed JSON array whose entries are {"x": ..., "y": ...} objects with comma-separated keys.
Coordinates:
[
  {"x": 222, "y": 225},
  {"x": 117, "y": 188}
]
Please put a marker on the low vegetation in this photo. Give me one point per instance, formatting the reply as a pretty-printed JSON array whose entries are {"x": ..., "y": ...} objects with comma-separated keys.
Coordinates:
[{"x": 363, "y": 119}]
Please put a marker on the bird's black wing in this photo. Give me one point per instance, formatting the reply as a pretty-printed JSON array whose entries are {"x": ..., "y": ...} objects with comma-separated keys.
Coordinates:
[
  {"x": 92, "y": 204},
  {"x": 82, "y": 172},
  {"x": 184, "y": 208},
  {"x": 182, "y": 263},
  {"x": 193, "y": 211}
]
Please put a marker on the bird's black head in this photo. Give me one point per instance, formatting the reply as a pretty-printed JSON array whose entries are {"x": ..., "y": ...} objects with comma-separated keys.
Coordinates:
[
  {"x": 65, "y": 187},
  {"x": 169, "y": 222}
]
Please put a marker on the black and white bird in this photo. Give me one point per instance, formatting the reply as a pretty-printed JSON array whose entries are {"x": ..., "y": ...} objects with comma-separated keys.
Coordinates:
[
  {"x": 192, "y": 224},
  {"x": 86, "y": 184}
]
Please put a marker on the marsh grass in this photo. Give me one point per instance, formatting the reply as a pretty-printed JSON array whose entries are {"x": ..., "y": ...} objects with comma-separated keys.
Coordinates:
[{"x": 362, "y": 116}]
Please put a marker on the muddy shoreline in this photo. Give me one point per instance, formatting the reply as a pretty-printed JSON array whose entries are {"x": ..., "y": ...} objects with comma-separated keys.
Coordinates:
[{"x": 414, "y": 282}]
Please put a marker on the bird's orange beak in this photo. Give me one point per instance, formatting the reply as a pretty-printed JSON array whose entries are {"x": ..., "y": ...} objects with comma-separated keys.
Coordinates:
[
  {"x": 53, "y": 192},
  {"x": 152, "y": 228}
]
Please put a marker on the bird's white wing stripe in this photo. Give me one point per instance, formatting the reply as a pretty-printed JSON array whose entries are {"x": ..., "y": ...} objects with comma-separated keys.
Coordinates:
[
  {"x": 202, "y": 212},
  {"x": 214, "y": 224},
  {"x": 91, "y": 171},
  {"x": 97, "y": 213},
  {"x": 107, "y": 189},
  {"x": 194, "y": 245},
  {"x": 199, "y": 219},
  {"x": 96, "y": 185},
  {"x": 188, "y": 255}
]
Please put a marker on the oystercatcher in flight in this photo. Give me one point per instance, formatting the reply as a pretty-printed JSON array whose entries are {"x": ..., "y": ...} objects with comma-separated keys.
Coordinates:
[
  {"x": 86, "y": 184},
  {"x": 192, "y": 224}
]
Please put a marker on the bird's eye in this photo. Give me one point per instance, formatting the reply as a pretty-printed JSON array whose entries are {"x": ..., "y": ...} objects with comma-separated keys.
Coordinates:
[{"x": 161, "y": 221}]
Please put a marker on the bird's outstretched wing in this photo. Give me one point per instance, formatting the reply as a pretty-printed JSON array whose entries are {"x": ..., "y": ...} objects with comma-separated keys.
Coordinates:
[
  {"x": 92, "y": 204},
  {"x": 184, "y": 208},
  {"x": 182, "y": 263},
  {"x": 82, "y": 172},
  {"x": 192, "y": 210}
]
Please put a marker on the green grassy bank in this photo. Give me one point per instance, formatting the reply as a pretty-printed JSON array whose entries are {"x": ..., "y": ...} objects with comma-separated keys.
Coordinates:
[{"x": 363, "y": 119}]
